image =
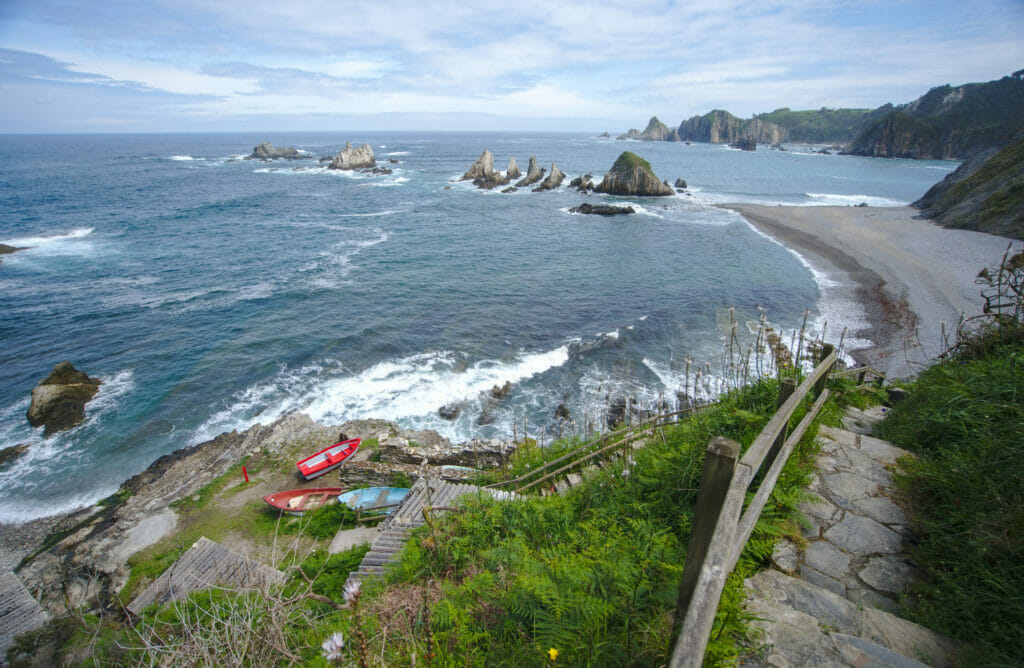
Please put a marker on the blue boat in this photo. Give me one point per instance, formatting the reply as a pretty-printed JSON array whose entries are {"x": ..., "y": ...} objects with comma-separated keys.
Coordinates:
[{"x": 373, "y": 497}]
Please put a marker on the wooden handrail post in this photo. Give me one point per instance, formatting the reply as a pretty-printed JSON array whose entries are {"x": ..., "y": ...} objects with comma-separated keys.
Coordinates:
[
  {"x": 826, "y": 350},
  {"x": 715, "y": 478},
  {"x": 786, "y": 389}
]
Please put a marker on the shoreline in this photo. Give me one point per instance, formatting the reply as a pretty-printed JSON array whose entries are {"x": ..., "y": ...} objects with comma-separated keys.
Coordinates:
[{"x": 908, "y": 274}]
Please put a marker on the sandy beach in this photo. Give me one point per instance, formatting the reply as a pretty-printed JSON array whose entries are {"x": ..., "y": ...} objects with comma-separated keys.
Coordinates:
[{"x": 909, "y": 275}]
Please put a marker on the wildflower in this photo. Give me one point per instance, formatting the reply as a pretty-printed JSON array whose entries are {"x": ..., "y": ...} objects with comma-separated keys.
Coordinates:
[
  {"x": 552, "y": 653},
  {"x": 352, "y": 590},
  {"x": 625, "y": 473},
  {"x": 333, "y": 646}
]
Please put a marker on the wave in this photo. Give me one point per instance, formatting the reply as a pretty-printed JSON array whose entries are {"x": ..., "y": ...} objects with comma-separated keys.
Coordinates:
[
  {"x": 183, "y": 158},
  {"x": 398, "y": 152},
  {"x": 397, "y": 389},
  {"x": 34, "y": 242},
  {"x": 830, "y": 199}
]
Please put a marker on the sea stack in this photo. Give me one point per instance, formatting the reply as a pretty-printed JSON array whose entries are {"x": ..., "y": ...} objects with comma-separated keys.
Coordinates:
[
  {"x": 554, "y": 180},
  {"x": 533, "y": 174},
  {"x": 632, "y": 175},
  {"x": 58, "y": 401},
  {"x": 266, "y": 151},
  {"x": 353, "y": 158}
]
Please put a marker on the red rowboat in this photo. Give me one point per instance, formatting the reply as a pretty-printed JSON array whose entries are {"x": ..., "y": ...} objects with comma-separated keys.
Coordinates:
[
  {"x": 298, "y": 501},
  {"x": 327, "y": 459}
]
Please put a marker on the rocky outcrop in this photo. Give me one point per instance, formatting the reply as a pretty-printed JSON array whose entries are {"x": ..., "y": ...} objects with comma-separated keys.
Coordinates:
[
  {"x": 554, "y": 180},
  {"x": 266, "y": 151},
  {"x": 482, "y": 173},
  {"x": 58, "y": 402},
  {"x": 655, "y": 131},
  {"x": 983, "y": 194},
  {"x": 632, "y": 175},
  {"x": 584, "y": 183},
  {"x": 11, "y": 453},
  {"x": 438, "y": 451},
  {"x": 353, "y": 158},
  {"x": 745, "y": 144},
  {"x": 721, "y": 127},
  {"x": 513, "y": 171},
  {"x": 533, "y": 174},
  {"x": 7, "y": 250},
  {"x": 602, "y": 209},
  {"x": 680, "y": 184}
]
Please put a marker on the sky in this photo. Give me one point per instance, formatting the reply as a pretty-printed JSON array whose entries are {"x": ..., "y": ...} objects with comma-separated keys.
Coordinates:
[{"x": 519, "y": 65}]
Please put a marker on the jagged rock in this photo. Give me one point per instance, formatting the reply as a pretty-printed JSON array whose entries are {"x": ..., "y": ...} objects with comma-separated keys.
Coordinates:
[
  {"x": 12, "y": 453},
  {"x": 681, "y": 184},
  {"x": 449, "y": 412},
  {"x": 604, "y": 135},
  {"x": 553, "y": 180},
  {"x": 58, "y": 402},
  {"x": 632, "y": 175},
  {"x": 501, "y": 391},
  {"x": 353, "y": 158},
  {"x": 602, "y": 209},
  {"x": 745, "y": 144},
  {"x": 7, "y": 250},
  {"x": 533, "y": 174},
  {"x": 481, "y": 169},
  {"x": 441, "y": 452},
  {"x": 266, "y": 151},
  {"x": 584, "y": 184},
  {"x": 510, "y": 189},
  {"x": 655, "y": 131},
  {"x": 513, "y": 171}
]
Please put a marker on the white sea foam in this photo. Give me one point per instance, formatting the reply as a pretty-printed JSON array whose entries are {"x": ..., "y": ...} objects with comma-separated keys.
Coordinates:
[
  {"x": 705, "y": 389},
  {"x": 181, "y": 158},
  {"x": 831, "y": 199},
  {"x": 397, "y": 152},
  {"x": 34, "y": 242},
  {"x": 406, "y": 388}
]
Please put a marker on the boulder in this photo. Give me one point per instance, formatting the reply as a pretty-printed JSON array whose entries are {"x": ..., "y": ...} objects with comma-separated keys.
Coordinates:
[
  {"x": 533, "y": 174},
  {"x": 58, "y": 401},
  {"x": 584, "y": 184},
  {"x": 553, "y": 180},
  {"x": 501, "y": 391},
  {"x": 449, "y": 412},
  {"x": 12, "y": 453},
  {"x": 631, "y": 175},
  {"x": 681, "y": 184},
  {"x": 353, "y": 158},
  {"x": 602, "y": 209},
  {"x": 513, "y": 171},
  {"x": 266, "y": 151},
  {"x": 745, "y": 144}
]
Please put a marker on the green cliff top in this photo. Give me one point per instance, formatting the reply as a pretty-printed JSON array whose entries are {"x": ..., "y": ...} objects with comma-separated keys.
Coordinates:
[{"x": 627, "y": 161}]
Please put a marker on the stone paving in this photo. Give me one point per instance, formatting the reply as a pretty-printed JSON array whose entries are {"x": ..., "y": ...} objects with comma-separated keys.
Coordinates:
[{"x": 833, "y": 602}]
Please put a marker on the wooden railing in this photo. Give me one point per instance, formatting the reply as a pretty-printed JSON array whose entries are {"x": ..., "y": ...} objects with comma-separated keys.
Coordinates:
[
  {"x": 861, "y": 372},
  {"x": 721, "y": 527}
]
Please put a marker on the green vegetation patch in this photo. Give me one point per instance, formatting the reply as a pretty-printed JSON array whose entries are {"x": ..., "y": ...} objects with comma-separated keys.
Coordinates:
[
  {"x": 627, "y": 161},
  {"x": 965, "y": 420}
]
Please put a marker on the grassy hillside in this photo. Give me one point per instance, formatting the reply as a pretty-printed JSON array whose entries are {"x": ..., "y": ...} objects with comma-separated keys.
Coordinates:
[{"x": 820, "y": 126}]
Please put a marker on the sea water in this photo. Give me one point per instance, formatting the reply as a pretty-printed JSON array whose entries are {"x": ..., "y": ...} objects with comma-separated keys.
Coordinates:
[{"x": 210, "y": 293}]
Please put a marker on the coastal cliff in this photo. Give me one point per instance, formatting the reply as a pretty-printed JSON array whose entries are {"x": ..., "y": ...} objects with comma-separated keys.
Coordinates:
[{"x": 721, "y": 127}]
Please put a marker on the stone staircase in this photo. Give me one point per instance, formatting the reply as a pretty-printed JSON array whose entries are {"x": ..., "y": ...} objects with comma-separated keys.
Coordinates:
[
  {"x": 394, "y": 531},
  {"x": 19, "y": 611},
  {"x": 832, "y": 602}
]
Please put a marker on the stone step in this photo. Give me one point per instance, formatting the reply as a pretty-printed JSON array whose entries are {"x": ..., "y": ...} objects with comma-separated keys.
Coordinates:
[
  {"x": 19, "y": 611},
  {"x": 574, "y": 479}
]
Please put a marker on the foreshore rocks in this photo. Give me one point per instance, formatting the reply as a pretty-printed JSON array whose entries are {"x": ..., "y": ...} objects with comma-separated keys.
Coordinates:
[
  {"x": 602, "y": 209},
  {"x": 553, "y": 180},
  {"x": 631, "y": 175},
  {"x": 266, "y": 151},
  {"x": 58, "y": 401},
  {"x": 584, "y": 183},
  {"x": 7, "y": 250},
  {"x": 745, "y": 144},
  {"x": 353, "y": 158}
]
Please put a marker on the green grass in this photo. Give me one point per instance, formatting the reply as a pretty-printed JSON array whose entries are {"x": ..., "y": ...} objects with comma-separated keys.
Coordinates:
[
  {"x": 965, "y": 420},
  {"x": 627, "y": 161}
]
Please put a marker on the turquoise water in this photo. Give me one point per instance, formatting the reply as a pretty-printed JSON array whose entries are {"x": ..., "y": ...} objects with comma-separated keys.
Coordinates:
[{"x": 211, "y": 293}]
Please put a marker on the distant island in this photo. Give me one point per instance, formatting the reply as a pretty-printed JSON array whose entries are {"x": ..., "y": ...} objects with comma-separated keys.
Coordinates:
[{"x": 946, "y": 123}]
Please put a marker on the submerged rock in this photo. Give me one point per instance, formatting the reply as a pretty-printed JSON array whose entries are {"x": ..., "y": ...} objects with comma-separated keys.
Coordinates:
[
  {"x": 602, "y": 209},
  {"x": 553, "y": 180},
  {"x": 353, "y": 158},
  {"x": 58, "y": 401},
  {"x": 266, "y": 151},
  {"x": 632, "y": 175}
]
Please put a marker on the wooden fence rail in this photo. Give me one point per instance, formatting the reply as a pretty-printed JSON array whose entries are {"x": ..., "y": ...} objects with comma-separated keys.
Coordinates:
[{"x": 721, "y": 528}]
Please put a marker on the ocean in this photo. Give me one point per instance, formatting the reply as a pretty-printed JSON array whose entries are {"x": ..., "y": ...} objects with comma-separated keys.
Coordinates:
[{"x": 210, "y": 293}]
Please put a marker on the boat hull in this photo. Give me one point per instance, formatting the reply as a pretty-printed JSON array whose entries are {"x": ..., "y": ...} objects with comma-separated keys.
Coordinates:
[
  {"x": 300, "y": 501},
  {"x": 327, "y": 459}
]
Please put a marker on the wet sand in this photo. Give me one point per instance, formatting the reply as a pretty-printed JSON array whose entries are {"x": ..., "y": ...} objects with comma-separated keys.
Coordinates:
[{"x": 910, "y": 275}]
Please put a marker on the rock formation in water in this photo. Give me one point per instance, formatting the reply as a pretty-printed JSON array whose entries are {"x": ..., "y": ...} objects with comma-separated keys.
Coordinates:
[
  {"x": 584, "y": 183},
  {"x": 7, "y": 250},
  {"x": 602, "y": 209},
  {"x": 58, "y": 401},
  {"x": 266, "y": 151},
  {"x": 533, "y": 174},
  {"x": 986, "y": 193},
  {"x": 482, "y": 173},
  {"x": 632, "y": 175},
  {"x": 553, "y": 180},
  {"x": 655, "y": 131},
  {"x": 353, "y": 158},
  {"x": 513, "y": 171},
  {"x": 745, "y": 144}
]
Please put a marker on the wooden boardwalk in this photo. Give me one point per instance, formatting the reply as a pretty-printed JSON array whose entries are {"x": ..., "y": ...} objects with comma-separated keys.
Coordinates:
[
  {"x": 206, "y": 564},
  {"x": 19, "y": 612},
  {"x": 394, "y": 531}
]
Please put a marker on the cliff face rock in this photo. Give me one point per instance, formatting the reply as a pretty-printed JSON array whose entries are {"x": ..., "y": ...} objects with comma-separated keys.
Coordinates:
[
  {"x": 553, "y": 180},
  {"x": 266, "y": 151},
  {"x": 986, "y": 193},
  {"x": 414, "y": 447},
  {"x": 655, "y": 131},
  {"x": 353, "y": 158},
  {"x": 947, "y": 122},
  {"x": 58, "y": 402},
  {"x": 632, "y": 175},
  {"x": 513, "y": 171},
  {"x": 721, "y": 127},
  {"x": 533, "y": 174}
]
